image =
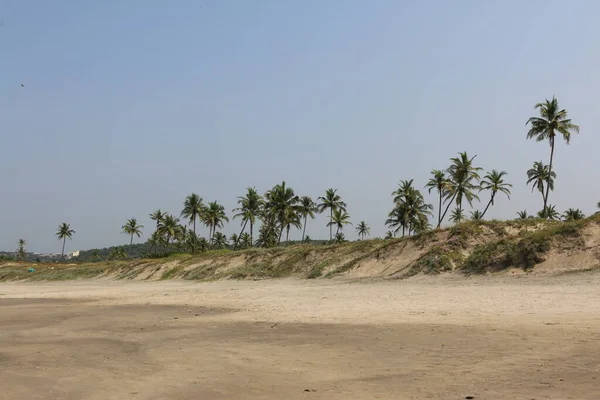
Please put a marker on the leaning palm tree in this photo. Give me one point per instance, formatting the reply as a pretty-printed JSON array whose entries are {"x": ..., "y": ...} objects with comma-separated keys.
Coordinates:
[
  {"x": 493, "y": 182},
  {"x": 251, "y": 205},
  {"x": 340, "y": 218},
  {"x": 363, "y": 230},
  {"x": 21, "y": 252},
  {"x": 193, "y": 207},
  {"x": 438, "y": 181},
  {"x": 464, "y": 180},
  {"x": 213, "y": 217},
  {"x": 457, "y": 215},
  {"x": 131, "y": 228},
  {"x": 306, "y": 208},
  {"x": 64, "y": 231},
  {"x": 539, "y": 176},
  {"x": 157, "y": 216},
  {"x": 331, "y": 201},
  {"x": 573, "y": 214},
  {"x": 551, "y": 121}
]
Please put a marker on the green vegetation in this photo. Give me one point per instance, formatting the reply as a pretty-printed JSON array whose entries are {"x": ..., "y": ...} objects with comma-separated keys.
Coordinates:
[{"x": 467, "y": 246}]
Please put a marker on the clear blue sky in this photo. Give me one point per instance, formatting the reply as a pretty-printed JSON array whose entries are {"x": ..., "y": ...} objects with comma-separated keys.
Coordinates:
[{"x": 129, "y": 106}]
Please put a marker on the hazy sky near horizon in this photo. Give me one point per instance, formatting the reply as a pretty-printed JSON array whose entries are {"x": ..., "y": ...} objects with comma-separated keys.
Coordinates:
[{"x": 129, "y": 106}]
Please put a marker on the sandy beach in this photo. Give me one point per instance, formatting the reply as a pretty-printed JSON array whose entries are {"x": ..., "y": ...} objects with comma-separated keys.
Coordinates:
[{"x": 443, "y": 337}]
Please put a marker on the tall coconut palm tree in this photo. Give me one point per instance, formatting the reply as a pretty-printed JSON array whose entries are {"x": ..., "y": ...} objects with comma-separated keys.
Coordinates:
[
  {"x": 251, "y": 205},
  {"x": 410, "y": 208},
  {"x": 540, "y": 176},
  {"x": 157, "y": 216},
  {"x": 64, "y": 231},
  {"x": 363, "y": 230},
  {"x": 494, "y": 182},
  {"x": 551, "y": 121},
  {"x": 306, "y": 208},
  {"x": 464, "y": 180},
  {"x": 281, "y": 204},
  {"x": 169, "y": 228},
  {"x": 573, "y": 214},
  {"x": 331, "y": 201},
  {"x": 193, "y": 206},
  {"x": 213, "y": 217},
  {"x": 21, "y": 252},
  {"x": 340, "y": 218},
  {"x": 292, "y": 218},
  {"x": 438, "y": 181},
  {"x": 131, "y": 228}
]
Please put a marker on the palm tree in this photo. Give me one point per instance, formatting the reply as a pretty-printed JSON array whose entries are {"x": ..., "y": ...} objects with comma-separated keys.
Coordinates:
[
  {"x": 157, "y": 216},
  {"x": 64, "y": 231},
  {"x": 548, "y": 213},
  {"x": 493, "y": 181},
  {"x": 169, "y": 228},
  {"x": 331, "y": 201},
  {"x": 476, "y": 215},
  {"x": 340, "y": 218},
  {"x": 219, "y": 241},
  {"x": 245, "y": 240},
  {"x": 306, "y": 208},
  {"x": 410, "y": 209},
  {"x": 251, "y": 205},
  {"x": 438, "y": 181},
  {"x": 457, "y": 215},
  {"x": 155, "y": 240},
  {"x": 202, "y": 244},
  {"x": 573, "y": 214},
  {"x": 21, "y": 252},
  {"x": 131, "y": 228},
  {"x": 389, "y": 235},
  {"x": 523, "y": 215},
  {"x": 463, "y": 181},
  {"x": 339, "y": 237},
  {"x": 234, "y": 238},
  {"x": 193, "y": 207},
  {"x": 292, "y": 218},
  {"x": 213, "y": 217},
  {"x": 281, "y": 204},
  {"x": 539, "y": 176},
  {"x": 363, "y": 229},
  {"x": 552, "y": 120}
]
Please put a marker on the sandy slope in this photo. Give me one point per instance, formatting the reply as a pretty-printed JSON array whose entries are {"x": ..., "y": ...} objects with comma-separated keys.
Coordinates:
[{"x": 439, "y": 337}]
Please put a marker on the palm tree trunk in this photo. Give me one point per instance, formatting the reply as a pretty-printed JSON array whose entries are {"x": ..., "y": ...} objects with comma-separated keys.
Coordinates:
[
  {"x": 403, "y": 228},
  {"x": 251, "y": 234},
  {"x": 240, "y": 235},
  {"x": 447, "y": 207},
  {"x": 287, "y": 234},
  {"x": 280, "y": 234},
  {"x": 488, "y": 205},
  {"x": 549, "y": 173},
  {"x": 440, "y": 210},
  {"x": 194, "y": 241},
  {"x": 62, "y": 255},
  {"x": 304, "y": 228},
  {"x": 330, "y": 223}
]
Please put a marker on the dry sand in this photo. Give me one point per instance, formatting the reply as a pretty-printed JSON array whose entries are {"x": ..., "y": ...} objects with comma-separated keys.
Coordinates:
[{"x": 425, "y": 338}]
